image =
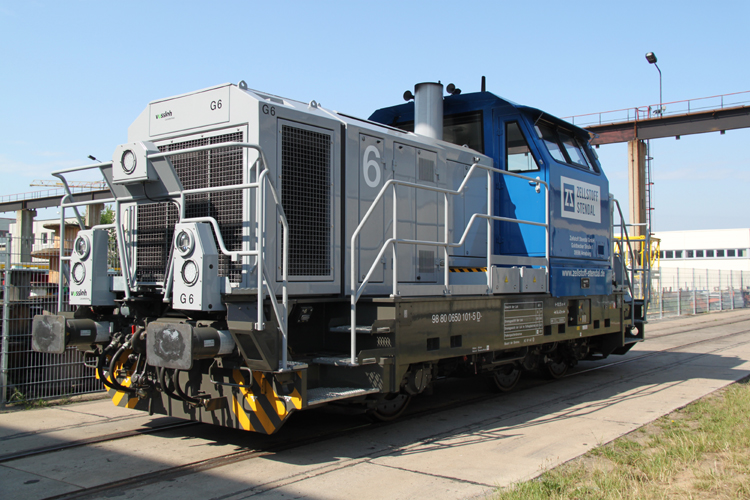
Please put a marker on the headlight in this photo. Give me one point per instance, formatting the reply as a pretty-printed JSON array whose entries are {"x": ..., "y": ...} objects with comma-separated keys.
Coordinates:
[
  {"x": 82, "y": 247},
  {"x": 190, "y": 272},
  {"x": 184, "y": 242},
  {"x": 78, "y": 273},
  {"x": 128, "y": 161}
]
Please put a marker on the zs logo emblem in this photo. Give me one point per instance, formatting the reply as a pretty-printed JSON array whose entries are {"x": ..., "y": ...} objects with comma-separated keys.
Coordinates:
[{"x": 570, "y": 200}]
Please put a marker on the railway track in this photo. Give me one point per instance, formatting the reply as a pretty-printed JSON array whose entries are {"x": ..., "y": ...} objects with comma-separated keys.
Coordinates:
[
  {"x": 655, "y": 353},
  {"x": 42, "y": 450},
  {"x": 172, "y": 473},
  {"x": 696, "y": 326}
]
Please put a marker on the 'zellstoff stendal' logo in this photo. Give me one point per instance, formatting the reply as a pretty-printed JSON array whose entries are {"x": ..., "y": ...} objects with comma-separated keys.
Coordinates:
[
  {"x": 166, "y": 114},
  {"x": 569, "y": 201},
  {"x": 581, "y": 200}
]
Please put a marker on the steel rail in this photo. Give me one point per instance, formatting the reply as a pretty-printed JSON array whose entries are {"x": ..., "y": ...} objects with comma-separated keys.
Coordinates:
[
  {"x": 94, "y": 440},
  {"x": 654, "y": 353}
]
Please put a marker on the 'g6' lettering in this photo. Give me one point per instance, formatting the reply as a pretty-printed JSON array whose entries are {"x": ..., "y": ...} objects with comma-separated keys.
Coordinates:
[
  {"x": 368, "y": 165},
  {"x": 215, "y": 105}
]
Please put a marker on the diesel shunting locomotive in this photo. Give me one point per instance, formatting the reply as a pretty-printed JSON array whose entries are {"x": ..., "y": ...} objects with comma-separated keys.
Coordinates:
[{"x": 275, "y": 255}]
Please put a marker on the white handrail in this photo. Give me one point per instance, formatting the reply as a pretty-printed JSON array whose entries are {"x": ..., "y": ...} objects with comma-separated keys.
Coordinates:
[
  {"x": 263, "y": 277},
  {"x": 355, "y": 292},
  {"x": 630, "y": 270}
]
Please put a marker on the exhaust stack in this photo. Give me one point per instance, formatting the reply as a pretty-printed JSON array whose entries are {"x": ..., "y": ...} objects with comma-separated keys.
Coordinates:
[{"x": 428, "y": 110}]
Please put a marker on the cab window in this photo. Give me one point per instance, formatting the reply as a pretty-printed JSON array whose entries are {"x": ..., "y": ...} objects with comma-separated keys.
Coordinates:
[
  {"x": 564, "y": 147},
  {"x": 573, "y": 148},
  {"x": 549, "y": 136},
  {"x": 518, "y": 157},
  {"x": 463, "y": 129}
]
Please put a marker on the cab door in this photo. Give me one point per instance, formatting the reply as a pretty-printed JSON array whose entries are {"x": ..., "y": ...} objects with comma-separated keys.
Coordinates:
[{"x": 519, "y": 198}]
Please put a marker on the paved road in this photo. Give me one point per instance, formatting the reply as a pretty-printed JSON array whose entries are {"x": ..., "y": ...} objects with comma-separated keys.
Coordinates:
[{"x": 461, "y": 452}]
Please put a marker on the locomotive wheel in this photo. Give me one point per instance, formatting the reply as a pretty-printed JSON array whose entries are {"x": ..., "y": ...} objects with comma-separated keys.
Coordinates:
[
  {"x": 390, "y": 407},
  {"x": 555, "y": 368},
  {"x": 506, "y": 378}
]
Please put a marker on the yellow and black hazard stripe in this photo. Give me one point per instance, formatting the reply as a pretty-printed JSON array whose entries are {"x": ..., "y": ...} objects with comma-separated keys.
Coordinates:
[
  {"x": 256, "y": 402},
  {"x": 468, "y": 269},
  {"x": 121, "y": 398}
]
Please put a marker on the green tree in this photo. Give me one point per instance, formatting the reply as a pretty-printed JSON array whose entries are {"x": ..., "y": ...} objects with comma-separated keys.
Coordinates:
[{"x": 108, "y": 216}]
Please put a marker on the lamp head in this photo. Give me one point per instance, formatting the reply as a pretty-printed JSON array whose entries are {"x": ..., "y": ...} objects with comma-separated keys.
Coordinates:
[{"x": 651, "y": 58}]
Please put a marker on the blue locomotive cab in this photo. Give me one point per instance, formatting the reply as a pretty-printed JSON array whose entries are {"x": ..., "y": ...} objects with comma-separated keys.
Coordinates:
[
  {"x": 529, "y": 142},
  {"x": 580, "y": 217}
]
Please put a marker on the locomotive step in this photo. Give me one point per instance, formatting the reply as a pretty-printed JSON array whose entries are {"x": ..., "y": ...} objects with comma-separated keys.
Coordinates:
[
  {"x": 293, "y": 366},
  {"x": 341, "y": 361},
  {"x": 322, "y": 395},
  {"x": 360, "y": 329}
]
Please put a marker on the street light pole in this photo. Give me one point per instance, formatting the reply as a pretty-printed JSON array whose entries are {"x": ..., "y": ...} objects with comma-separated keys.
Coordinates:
[{"x": 651, "y": 58}]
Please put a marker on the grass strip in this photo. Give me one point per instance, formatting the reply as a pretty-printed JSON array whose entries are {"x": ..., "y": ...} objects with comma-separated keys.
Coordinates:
[{"x": 699, "y": 451}]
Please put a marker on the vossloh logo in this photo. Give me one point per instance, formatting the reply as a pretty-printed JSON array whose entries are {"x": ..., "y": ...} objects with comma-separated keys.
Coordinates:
[
  {"x": 580, "y": 200},
  {"x": 164, "y": 115}
]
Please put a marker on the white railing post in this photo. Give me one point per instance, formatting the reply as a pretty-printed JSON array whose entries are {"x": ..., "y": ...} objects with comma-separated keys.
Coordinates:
[
  {"x": 259, "y": 202},
  {"x": 546, "y": 234},
  {"x": 395, "y": 243},
  {"x": 446, "y": 257},
  {"x": 60, "y": 289},
  {"x": 490, "y": 222}
]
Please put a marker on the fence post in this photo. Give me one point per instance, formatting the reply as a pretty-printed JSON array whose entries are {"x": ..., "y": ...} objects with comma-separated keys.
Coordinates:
[
  {"x": 661, "y": 298},
  {"x": 679, "y": 294},
  {"x": 4, "y": 344},
  {"x": 731, "y": 288},
  {"x": 695, "y": 307},
  {"x": 721, "y": 297}
]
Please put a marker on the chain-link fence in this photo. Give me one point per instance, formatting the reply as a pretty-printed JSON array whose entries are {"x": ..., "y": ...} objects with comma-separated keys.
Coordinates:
[
  {"x": 29, "y": 271},
  {"x": 694, "y": 291}
]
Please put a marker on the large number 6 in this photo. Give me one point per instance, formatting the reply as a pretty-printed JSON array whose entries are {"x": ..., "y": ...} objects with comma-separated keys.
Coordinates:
[{"x": 370, "y": 164}]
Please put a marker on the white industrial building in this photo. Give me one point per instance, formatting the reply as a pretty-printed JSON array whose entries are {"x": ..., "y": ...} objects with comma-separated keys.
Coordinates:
[
  {"x": 723, "y": 249},
  {"x": 43, "y": 231}
]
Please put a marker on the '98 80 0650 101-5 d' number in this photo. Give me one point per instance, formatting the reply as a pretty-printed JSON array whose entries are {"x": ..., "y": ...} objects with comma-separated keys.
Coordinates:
[{"x": 457, "y": 317}]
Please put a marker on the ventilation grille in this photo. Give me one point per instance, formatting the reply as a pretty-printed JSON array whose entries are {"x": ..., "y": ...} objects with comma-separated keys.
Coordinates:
[
  {"x": 306, "y": 197},
  {"x": 426, "y": 262},
  {"x": 155, "y": 232},
  {"x": 426, "y": 170},
  {"x": 214, "y": 168}
]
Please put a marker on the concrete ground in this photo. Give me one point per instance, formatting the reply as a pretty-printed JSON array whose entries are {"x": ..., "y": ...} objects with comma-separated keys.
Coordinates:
[{"x": 462, "y": 452}]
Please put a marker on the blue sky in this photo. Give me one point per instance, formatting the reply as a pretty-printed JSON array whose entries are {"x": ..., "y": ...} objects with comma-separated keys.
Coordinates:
[{"x": 75, "y": 74}]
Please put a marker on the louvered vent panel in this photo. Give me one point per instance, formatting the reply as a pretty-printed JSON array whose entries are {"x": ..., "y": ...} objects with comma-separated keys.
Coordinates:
[
  {"x": 306, "y": 197},
  {"x": 426, "y": 170},
  {"x": 218, "y": 167},
  {"x": 426, "y": 262},
  {"x": 155, "y": 232}
]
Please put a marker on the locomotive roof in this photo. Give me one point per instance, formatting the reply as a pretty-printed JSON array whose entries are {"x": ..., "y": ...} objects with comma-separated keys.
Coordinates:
[{"x": 474, "y": 101}]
